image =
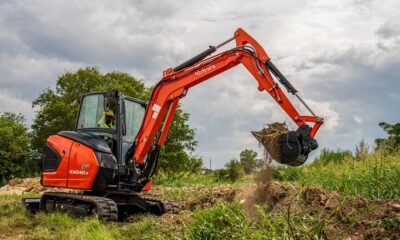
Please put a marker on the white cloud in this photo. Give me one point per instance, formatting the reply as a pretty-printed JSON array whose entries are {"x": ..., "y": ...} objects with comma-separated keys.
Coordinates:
[
  {"x": 342, "y": 56},
  {"x": 10, "y": 103}
]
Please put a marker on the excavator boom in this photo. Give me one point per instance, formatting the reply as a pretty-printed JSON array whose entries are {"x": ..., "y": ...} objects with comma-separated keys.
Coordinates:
[{"x": 177, "y": 81}]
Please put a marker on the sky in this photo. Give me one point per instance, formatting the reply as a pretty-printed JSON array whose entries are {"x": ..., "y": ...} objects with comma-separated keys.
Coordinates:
[{"x": 342, "y": 56}]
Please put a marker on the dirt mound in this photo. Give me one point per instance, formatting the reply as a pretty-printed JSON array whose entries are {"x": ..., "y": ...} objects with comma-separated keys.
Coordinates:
[
  {"x": 20, "y": 186},
  {"x": 343, "y": 217},
  {"x": 268, "y": 137},
  {"x": 211, "y": 197}
]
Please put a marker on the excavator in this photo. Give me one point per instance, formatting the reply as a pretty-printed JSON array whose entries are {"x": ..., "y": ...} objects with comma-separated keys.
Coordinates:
[{"x": 113, "y": 164}]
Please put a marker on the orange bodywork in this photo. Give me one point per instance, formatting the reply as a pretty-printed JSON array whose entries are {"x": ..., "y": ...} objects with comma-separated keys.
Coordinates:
[
  {"x": 78, "y": 166},
  {"x": 175, "y": 84},
  {"x": 83, "y": 167},
  {"x": 148, "y": 185}
]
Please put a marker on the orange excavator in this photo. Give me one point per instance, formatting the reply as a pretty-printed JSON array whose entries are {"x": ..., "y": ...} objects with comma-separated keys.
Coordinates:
[{"x": 113, "y": 153}]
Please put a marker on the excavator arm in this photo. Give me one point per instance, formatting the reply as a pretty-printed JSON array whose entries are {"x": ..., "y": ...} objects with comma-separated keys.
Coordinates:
[{"x": 177, "y": 81}]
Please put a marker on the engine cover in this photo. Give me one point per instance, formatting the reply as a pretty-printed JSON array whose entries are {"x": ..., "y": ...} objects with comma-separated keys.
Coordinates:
[{"x": 78, "y": 161}]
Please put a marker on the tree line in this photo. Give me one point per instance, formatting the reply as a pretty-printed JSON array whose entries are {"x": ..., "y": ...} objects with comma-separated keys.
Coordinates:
[{"x": 22, "y": 149}]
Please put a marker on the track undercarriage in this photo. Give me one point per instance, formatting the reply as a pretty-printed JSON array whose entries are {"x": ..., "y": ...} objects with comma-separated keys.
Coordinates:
[{"x": 108, "y": 207}]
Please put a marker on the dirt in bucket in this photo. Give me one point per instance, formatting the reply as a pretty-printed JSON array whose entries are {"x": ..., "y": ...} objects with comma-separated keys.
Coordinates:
[{"x": 268, "y": 137}]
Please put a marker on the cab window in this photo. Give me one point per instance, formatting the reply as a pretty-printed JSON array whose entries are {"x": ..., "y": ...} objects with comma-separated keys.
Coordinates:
[
  {"x": 92, "y": 109},
  {"x": 94, "y": 114},
  {"x": 134, "y": 113}
]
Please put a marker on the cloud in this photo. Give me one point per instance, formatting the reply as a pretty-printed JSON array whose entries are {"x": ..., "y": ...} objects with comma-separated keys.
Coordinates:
[
  {"x": 342, "y": 56},
  {"x": 10, "y": 103}
]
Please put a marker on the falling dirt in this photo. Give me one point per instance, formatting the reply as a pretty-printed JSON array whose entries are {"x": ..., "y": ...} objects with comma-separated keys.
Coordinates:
[{"x": 268, "y": 137}]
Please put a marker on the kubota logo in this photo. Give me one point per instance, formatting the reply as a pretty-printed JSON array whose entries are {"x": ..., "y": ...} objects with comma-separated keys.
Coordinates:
[
  {"x": 84, "y": 166},
  {"x": 204, "y": 70}
]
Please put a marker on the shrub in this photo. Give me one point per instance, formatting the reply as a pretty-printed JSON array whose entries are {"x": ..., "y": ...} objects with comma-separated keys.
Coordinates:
[
  {"x": 235, "y": 170},
  {"x": 221, "y": 174}
]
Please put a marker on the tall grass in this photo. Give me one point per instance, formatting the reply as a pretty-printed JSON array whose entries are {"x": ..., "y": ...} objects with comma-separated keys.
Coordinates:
[
  {"x": 375, "y": 176},
  {"x": 15, "y": 222},
  {"x": 229, "y": 221}
]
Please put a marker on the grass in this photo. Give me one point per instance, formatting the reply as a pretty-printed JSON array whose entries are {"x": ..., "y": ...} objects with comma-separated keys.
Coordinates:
[
  {"x": 375, "y": 177},
  {"x": 189, "y": 179},
  {"x": 222, "y": 221},
  {"x": 16, "y": 221}
]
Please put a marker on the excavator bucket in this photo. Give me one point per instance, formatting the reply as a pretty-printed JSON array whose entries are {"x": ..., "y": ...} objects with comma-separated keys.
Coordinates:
[{"x": 288, "y": 147}]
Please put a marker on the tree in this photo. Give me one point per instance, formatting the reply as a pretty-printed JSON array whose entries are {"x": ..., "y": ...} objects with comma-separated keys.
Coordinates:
[
  {"x": 14, "y": 148},
  {"x": 235, "y": 170},
  {"x": 58, "y": 110},
  {"x": 392, "y": 142},
  {"x": 181, "y": 138},
  {"x": 248, "y": 161}
]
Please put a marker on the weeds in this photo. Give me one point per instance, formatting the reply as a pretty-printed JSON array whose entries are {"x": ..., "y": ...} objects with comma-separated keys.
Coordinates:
[{"x": 375, "y": 177}]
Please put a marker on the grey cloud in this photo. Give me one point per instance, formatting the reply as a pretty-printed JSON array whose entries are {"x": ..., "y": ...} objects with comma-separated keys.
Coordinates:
[
  {"x": 389, "y": 29},
  {"x": 342, "y": 56}
]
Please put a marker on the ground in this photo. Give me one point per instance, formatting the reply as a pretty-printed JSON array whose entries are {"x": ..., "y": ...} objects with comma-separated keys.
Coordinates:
[{"x": 252, "y": 209}]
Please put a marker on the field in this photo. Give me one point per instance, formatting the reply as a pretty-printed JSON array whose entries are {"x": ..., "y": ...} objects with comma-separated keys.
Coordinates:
[{"x": 337, "y": 197}]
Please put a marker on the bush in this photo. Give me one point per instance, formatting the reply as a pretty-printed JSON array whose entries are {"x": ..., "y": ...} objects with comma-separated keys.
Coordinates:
[
  {"x": 235, "y": 170},
  {"x": 220, "y": 174}
]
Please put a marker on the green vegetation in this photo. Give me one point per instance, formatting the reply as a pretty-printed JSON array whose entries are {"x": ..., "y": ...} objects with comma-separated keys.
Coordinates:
[
  {"x": 58, "y": 109},
  {"x": 223, "y": 221},
  {"x": 392, "y": 142},
  {"x": 364, "y": 173},
  {"x": 15, "y": 221},
  {"x": 375, "y": 176},
  {"x": 21, "y": 151},
  {"x": 249, "y": 161},
  {"x": 234, "y": 170},
  {"x": 336, "y": 170},
  {"x": 15, "y": 158}
]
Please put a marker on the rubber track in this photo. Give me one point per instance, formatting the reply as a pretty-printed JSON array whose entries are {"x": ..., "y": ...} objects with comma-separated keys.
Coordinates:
[
  {"x": 105, "y": 209},
  {"x": 168, "y": 206}
]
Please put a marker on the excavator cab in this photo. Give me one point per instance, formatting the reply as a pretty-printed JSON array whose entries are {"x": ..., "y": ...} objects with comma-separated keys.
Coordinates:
[
  {"x": 113, "y": 117},
  {"x": 91, "y": 157}
]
